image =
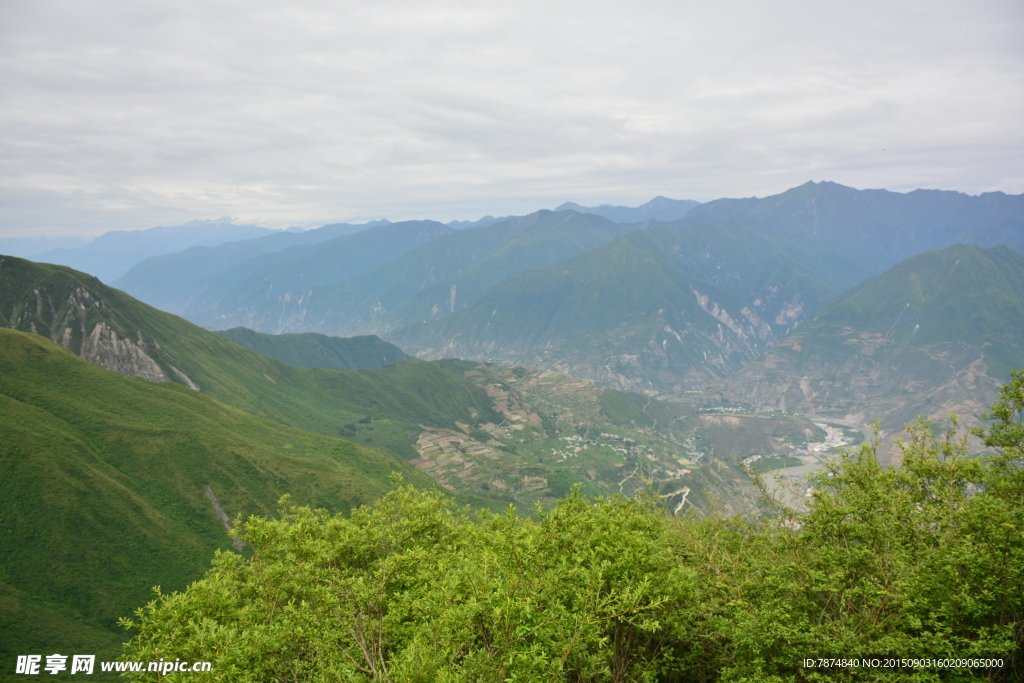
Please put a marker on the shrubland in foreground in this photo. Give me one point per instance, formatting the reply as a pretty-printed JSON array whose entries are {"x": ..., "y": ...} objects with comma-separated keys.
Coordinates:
[{"x": 921, "y": 561}]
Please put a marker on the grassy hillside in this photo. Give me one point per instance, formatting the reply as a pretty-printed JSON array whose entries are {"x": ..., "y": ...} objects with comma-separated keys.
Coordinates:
[
  {"x": 109, "y": 483},
  {"x": 312, "y": 350},
  {"x": 937, "y": 333},
  {"x": 68, "y": 306}
]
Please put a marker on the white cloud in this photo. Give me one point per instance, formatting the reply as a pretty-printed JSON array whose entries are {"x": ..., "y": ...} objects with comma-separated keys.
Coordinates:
[
  {"x": 126, "y": 115},
  {"x": 1009, "y": 186}
]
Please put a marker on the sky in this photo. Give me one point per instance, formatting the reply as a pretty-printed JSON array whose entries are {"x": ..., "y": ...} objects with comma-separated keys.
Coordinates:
[{"x": 126, "y": 115}]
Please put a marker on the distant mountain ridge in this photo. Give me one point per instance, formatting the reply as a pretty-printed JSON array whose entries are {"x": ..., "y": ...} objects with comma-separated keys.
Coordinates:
[
  {"x": 31, "y": 247},
  {"x": 859, "y": 234},
  {"x": 312, "y": 350},
  {"x": 207, "y": 285},
  {"x": 437, "y": 277},
  {"x": 482, "y": 222},
  {"x": 111, "y": 254},
  {"x": 659, "y": 208}
]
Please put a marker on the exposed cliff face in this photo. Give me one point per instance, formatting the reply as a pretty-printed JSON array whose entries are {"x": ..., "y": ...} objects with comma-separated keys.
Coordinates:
[
  {"x": 659, "y": 310},
  {"x": 670, "y": 335},
  {"x": 937, "y": 334},
  {"x": 870, "y": 382},
  {"x": 104, "y": 348},
  {"x": 51, "y": 303}
]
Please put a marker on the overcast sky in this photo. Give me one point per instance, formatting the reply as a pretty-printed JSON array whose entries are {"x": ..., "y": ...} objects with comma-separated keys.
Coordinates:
[{"x": 126, "y": 115}]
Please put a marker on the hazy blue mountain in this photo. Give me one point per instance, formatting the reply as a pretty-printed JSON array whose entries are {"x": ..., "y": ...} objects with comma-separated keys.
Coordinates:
[
  {"x": 300, "y": 268},
  {"x": 861, "y": 233},
  {"x": 194, "y": 283},
  {"x": 438, "y": 277},
  {"x": 659, "y": 208},
  {"x": 667, "y": 309},
  {"x": 113, "y": 253},
  {"x": 30, "y": 247},
  {"x": 485, "y": 221},
  {"x": 312, "y": 350},
  {"x": 937, "y": 333}
]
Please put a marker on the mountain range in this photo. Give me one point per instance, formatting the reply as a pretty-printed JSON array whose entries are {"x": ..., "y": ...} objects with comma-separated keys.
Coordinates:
[
  {"x": 436, "y": 277},
  {"x": 624, "y": 313},
  {"x": 666, "y": 309},
  {"x": 857, "y": 234},
  {"x": 672, "y": 308},
  {"x": 659, "y": 208},
  {"x": 111, "y": 254}
]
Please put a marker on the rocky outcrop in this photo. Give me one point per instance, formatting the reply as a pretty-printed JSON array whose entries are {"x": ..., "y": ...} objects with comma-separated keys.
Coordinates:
[
  {"x": 82, "y": 322},
  {"x": 103, "y": 347}
]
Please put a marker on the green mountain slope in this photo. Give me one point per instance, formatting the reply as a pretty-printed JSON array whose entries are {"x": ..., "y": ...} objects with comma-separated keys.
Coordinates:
[
  {"x": 115, "y": 331},
  {"x": 856, "y": 234},
  {"x": 201, "y": 284},
  {"x": 113, "y": 484},
  {"x": 439, "y": 277},
  {"x": 312, "y": 350},
  {"x": 937, "y": 333},
  {"x": 663, "y": 309}
]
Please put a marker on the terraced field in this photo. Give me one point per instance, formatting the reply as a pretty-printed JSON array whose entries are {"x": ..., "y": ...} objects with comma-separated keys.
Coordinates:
[{"x": 558, "y": 431}]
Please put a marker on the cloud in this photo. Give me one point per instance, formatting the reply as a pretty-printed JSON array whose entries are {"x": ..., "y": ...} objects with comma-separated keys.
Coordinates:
[{"x": 125, "y": 115}]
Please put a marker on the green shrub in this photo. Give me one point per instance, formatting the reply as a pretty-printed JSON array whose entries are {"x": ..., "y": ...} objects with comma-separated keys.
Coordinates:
[{"x": 923, "y": 561}]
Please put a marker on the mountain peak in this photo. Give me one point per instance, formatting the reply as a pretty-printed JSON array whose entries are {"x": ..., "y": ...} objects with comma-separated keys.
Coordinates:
[{"x": 660, "y": 208}]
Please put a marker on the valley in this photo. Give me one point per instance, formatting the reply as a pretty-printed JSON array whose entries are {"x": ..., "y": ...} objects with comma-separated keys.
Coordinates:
[
  {"x": 558, "y": 431},
  {"x": 786, "y": 478}
]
